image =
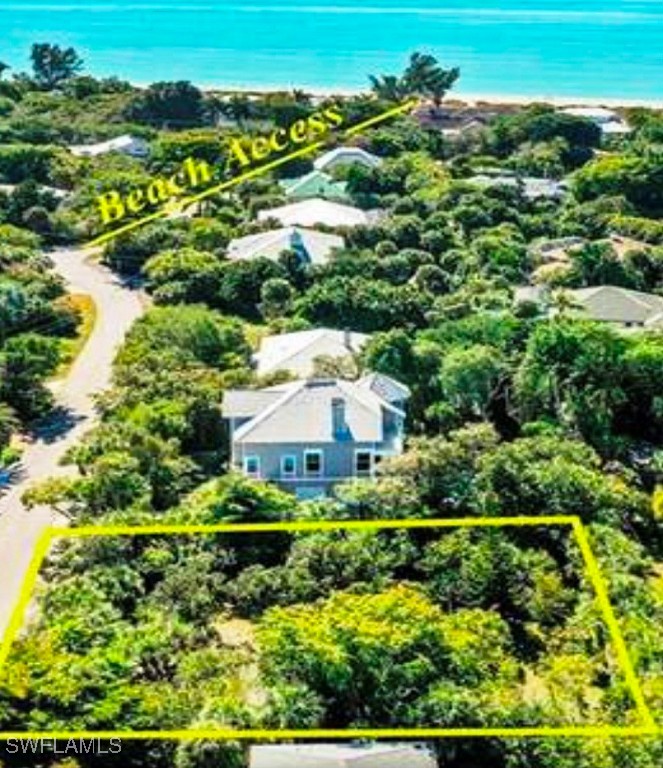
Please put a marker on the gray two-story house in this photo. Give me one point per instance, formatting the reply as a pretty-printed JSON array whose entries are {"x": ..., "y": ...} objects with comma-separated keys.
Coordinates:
[{"x": 308, "y": 435}]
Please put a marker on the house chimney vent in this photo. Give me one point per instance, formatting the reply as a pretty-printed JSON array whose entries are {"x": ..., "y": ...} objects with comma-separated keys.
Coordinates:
[{"x": 339, "y": 424}]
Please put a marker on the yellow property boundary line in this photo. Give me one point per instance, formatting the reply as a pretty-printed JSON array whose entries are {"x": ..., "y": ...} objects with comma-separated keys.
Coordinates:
[
  {"x": 647, "y": 727},
  {"x": 307, "y": 150}
]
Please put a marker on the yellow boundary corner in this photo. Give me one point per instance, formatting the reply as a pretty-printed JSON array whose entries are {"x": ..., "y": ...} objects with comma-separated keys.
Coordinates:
[
  {"x": 647, "y": 727},
  {"x": 353, "y": 130}
]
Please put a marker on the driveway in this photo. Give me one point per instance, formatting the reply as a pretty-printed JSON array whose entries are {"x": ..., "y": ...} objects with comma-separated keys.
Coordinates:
[{"x": 117, "y": 307}]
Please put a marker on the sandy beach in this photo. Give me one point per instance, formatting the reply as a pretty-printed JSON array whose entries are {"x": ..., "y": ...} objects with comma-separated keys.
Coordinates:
[{"x": 453, "y": 96}]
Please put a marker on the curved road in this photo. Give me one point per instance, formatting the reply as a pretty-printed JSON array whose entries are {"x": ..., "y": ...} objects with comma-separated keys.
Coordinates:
[{"x": 117, "y": 308}]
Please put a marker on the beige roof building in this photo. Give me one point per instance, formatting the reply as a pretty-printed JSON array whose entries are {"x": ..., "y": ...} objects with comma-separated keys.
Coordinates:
[
  {"x": 606, "y": 303},
  {"x": 612, "y": 304},
  {"x": 297, "y": 352}
]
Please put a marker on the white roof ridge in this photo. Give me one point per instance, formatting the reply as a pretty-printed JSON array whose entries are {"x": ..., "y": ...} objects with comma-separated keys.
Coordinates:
[
  {"x": 348, "y": 148},
  {"x": 247, "y": 428},
  {"x": 278, "y": 350},
  {"x": 315, "y": 335},
  {"x": 263, "y": 240},
  {"x": 274, "y": 236}
]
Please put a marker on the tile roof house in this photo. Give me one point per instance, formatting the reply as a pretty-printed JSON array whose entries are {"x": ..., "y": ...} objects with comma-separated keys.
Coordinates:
[
  {"x": 127, "y": 145},
  {"x": 297, "y": 352},
  {"x": 346, "y": 156},
  {"x": 308, "y": 435},
  {"x": 313, "y": 247},
  {"x": 308, "y": 213},
  {"x": 606, "y": 303},
  {"x": 453, "y": 123},
  {"x": 353, "y": 755},
  {"x": 315, "y": 184}
]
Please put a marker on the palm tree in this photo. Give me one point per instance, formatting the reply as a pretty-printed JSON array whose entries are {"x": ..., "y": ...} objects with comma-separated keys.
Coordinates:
[
  {"x": 389, "y": 87},
  {"x": 238, "y": 108},
  {"x": 3, "y": 68},
  {"x": 424, "y": 76}
]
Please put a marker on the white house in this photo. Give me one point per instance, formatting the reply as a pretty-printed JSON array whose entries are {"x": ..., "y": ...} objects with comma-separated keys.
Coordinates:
[
  {"x": 532, "y": 187},
  {"x": 58, "y": 194},
  {"x": 346, "y": 156},
  {"x": 352, "y": 755},
  {"x": 313, "y": 247},
  {"x": 310, "y": 434},
  {"x": 297, "y": 352},
  {"x": 126, "y": 145},
  {"x": 609, "y": 121},
  {"x": 308, "y": 213},
  {"x": 598, "y": 115}
]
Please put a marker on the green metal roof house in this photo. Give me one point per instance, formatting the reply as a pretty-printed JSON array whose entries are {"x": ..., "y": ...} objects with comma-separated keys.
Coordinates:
[{"x": 315, "y": 184}]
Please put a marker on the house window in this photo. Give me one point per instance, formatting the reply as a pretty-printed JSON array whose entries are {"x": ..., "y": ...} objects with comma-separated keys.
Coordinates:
[
  {"x": 363, "y": 463},
  {"x": 313, "y": 463},
  {"x": 252, "y": 466},
  {"x": 288, "y": 466}
]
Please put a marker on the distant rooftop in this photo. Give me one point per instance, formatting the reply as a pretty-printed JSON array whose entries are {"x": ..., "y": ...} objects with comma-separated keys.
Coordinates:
[
  {"x": 128, "y": 145},
  {"x": 313, "y": 246},
  {"x": 606, "y": 303},
  {"x": 297, "y": 351},
  {"x": 346, "y": 156},
  {"x": 532, "y": 187},
  {"x": 308, "y": 213},
  {"x": 591, "y": 113},
  {"x": 315, "y": 184},
  {"x": 609, "y": 121},
  {"x": 342, "y": 756}
]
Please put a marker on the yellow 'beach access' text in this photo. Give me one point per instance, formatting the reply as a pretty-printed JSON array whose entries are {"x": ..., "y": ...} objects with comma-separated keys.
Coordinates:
[{"x": 114, "y": 206}]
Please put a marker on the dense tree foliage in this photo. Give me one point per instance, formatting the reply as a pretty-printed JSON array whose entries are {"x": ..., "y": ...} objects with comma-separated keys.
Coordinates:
[{"x": 34, "y": 321}]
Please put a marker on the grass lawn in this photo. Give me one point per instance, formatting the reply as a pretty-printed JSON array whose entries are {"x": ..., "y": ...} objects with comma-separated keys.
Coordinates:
[{"x": 71, "y": 348}]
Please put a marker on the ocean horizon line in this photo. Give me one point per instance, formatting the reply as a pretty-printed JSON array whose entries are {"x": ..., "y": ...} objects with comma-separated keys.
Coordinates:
[{"x": 470, "y": 97}]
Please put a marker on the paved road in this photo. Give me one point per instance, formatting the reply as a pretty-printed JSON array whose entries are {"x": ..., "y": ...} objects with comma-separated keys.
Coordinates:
[{"x": 117, "y": 308}]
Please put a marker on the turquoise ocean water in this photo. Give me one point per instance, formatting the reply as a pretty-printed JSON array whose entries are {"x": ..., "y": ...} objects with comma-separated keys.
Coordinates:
[{"x": 592, "y": 48}]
